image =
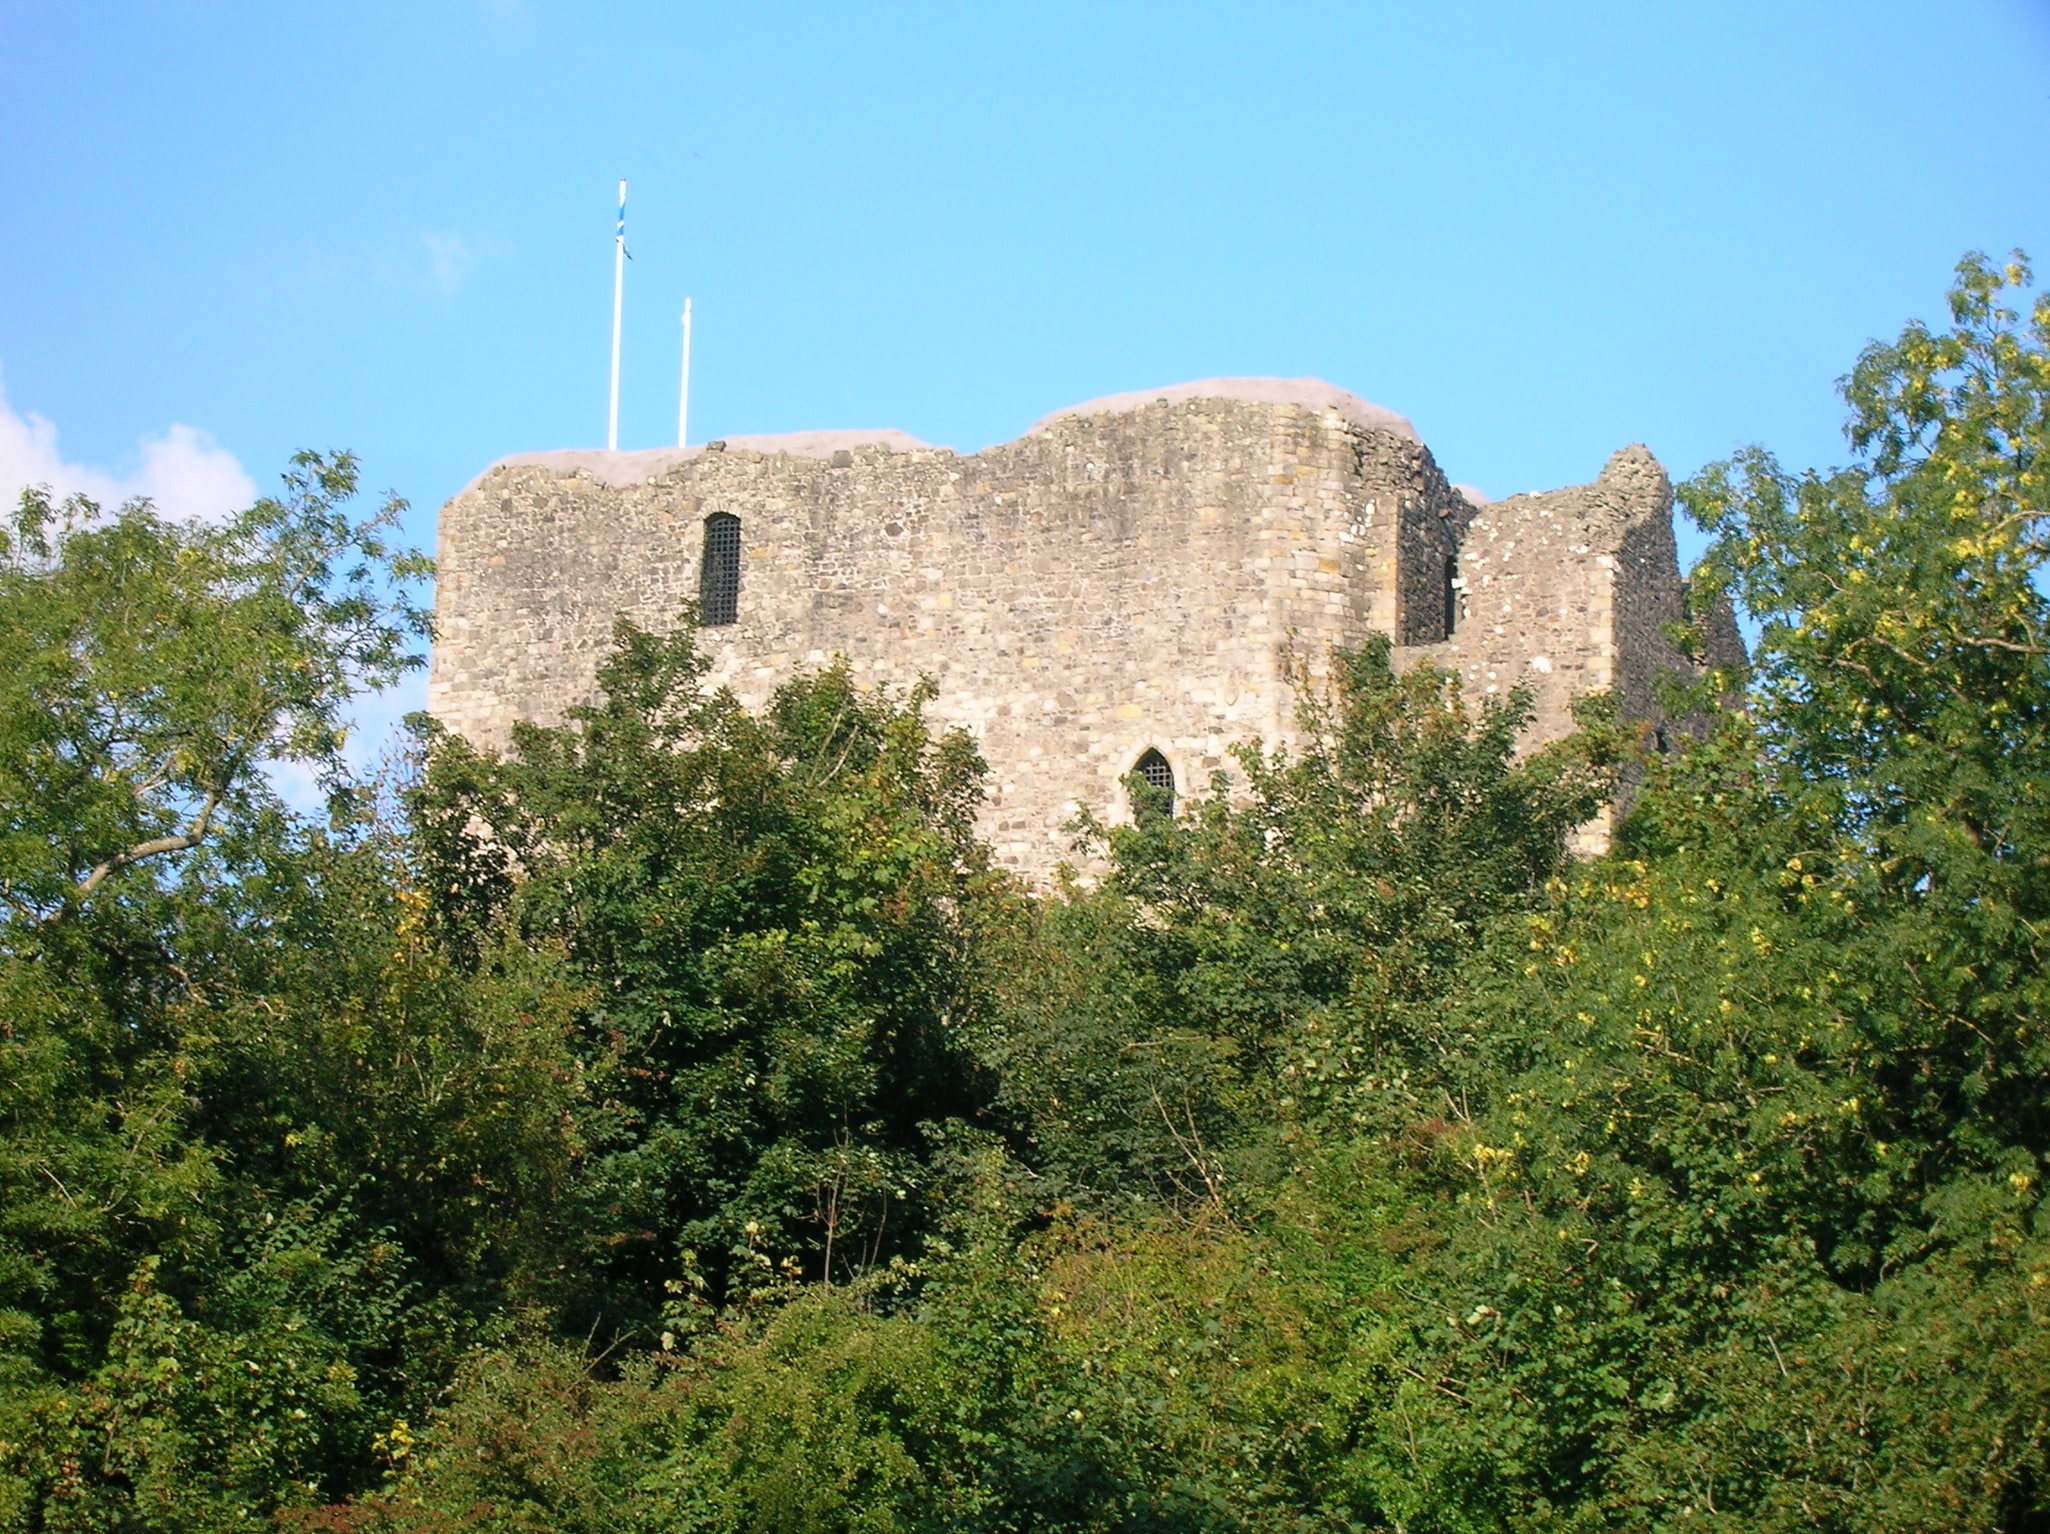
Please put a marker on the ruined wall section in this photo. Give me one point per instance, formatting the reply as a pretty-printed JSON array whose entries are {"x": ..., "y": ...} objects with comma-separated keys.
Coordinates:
[
  {"x": 1650, "y": 598},
  {"x": 1435, "y": 520},
  {"x": 1140, "y": 572},
  {"x": 1108, "y": 583},
  {"x": 533, "y": 564},
  {"x": 1574, "y": 591},
  {"x": 1540, "y": 581}
]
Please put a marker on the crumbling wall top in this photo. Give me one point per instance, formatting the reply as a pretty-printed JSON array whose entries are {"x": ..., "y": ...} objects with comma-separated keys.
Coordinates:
[
  {"x": 1313, "y": 393},
  {"x": 621, "y": 470}
]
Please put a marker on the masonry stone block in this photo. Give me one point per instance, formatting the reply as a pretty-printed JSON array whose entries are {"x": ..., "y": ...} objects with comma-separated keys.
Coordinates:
[{"x": 1131, "y": 574}]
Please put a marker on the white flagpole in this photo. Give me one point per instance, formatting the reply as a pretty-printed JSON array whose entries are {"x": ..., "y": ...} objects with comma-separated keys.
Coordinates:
[
  {"x": 618, "y": 290},
  {"x": 683, "y": 395}
]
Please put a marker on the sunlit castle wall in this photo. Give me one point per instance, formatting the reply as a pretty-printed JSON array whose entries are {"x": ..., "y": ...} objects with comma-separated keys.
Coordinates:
[{"x": 1130, "y": 575}]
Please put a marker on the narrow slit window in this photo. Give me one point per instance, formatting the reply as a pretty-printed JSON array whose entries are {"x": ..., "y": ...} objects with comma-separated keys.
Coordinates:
[
  {"x": 719, "y": 574},
  {"x": 1157, "y": 777},
  {"x": 1451, "y": 594}
]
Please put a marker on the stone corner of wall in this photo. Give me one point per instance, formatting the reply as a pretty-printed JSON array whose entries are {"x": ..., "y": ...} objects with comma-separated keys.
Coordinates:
[{"x": 1635, "y": 475}]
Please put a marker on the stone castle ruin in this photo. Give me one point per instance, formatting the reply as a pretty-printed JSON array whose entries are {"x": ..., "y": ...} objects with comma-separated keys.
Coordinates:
[{"x": 1118, "y": 590}]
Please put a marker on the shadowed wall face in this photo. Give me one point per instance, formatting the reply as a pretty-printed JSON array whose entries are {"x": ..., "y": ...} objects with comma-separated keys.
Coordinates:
[{"x": 1123, "y": 579}]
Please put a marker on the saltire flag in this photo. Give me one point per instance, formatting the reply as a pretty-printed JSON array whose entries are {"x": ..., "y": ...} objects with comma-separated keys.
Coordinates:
[{"x": 621, "y": 236}]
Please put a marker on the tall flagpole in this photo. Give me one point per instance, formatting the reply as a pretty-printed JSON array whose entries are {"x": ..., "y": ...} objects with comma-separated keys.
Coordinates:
[
  {"x": 618, "y": 290},
  {"x": 683, "y": 395}
]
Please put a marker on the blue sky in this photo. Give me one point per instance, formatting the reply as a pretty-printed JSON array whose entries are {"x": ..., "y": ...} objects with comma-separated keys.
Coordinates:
[{"x": 228, "y": 230}]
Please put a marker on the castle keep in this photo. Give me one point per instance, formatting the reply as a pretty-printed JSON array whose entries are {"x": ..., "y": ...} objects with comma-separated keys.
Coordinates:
[{"x": 1115, "y": 590}]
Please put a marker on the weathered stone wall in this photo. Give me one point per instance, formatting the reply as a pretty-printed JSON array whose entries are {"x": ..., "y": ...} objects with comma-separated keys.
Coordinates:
[
  {"x": 1434, "y": 523},
  {"x": 1573, "y": 591},
  {"x": 1537, "y": 590},
  {"x": 1127, "y": 575}
]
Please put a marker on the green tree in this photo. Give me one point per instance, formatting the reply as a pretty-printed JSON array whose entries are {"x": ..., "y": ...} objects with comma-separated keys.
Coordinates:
[
  {"x": 1749, "y": 1222},
  {"x": 150, "y": 672},
  {"x": 768, "y": 914},
  {"x": 267, "y": 1160},
  {"x": 1904, "y": 697},
  {"x": 1274, "y": 959}
]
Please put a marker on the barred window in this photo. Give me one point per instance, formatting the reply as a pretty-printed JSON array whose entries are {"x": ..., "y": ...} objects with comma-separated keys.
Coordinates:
[
  {"x": 1157, "y": 776},
  {"x": 719, "y": 573}
]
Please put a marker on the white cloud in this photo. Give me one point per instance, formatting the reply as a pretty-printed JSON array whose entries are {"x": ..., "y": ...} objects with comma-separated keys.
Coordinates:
[
  {"x": 184, "y": 471},
  {"x": 438, "y": 259},
  {"x": 449, "y": 259}
]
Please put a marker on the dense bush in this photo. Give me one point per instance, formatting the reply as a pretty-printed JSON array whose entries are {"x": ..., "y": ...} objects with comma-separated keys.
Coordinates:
[{"x": 675, "y": 1123}]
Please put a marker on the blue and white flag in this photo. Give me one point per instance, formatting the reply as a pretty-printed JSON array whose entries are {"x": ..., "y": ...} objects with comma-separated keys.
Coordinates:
[{"x": 621, "y": 234}]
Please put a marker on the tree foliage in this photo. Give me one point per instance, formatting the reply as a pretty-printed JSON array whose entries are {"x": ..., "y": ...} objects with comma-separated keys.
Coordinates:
[
  {"x": 1268, "y": 964},
  {"x": 249, "y": 1116},
  {"x": 152, "y": 670},
  {"x": 767, "y": 914},
  {"x": 674, "y": 1122}
]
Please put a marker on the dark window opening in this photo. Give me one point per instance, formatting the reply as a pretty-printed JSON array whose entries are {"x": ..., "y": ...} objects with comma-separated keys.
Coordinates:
[
  {"x": 1451, "y": 593},
  {"x": 1156, "y": 783},
  {"x": 719, "y": 574}
]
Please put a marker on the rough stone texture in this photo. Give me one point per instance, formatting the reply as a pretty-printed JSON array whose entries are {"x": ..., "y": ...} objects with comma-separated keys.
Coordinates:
[
  {"x": 1129, "y": 574},
  {"x": 1311, "y": 392},
  {"x": 1571, "y": 591}
]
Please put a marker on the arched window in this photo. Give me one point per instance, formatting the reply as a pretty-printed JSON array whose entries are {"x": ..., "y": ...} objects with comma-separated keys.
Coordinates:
[
  {"x": 719, "y": 571},
  {"x": 1157, "y": 777}
]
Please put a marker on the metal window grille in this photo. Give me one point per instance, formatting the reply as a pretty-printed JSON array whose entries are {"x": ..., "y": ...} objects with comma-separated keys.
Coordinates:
[
  {"x": 719, "y": 574},
  {"x": 1154, "y": 771}
]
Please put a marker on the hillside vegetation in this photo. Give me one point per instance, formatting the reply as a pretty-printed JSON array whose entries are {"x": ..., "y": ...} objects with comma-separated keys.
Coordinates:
[{"x": 676, "y": 1123}]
